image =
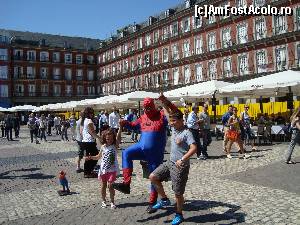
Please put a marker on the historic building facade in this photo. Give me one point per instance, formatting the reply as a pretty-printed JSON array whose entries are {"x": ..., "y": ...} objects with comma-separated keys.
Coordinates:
[
  {"x": 176, "y": 49},
  {"x": 40, "y": 68}
]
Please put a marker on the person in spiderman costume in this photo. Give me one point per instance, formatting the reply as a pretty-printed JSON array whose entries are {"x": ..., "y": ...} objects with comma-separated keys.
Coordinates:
[{"x": 150, "y": 148}]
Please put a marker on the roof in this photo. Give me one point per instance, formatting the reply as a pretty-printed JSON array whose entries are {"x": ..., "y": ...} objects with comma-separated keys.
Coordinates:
[{"x": 50, "y": 40}]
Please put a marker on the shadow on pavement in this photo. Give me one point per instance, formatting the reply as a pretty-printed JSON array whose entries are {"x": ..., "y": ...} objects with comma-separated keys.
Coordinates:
[
  {"x": 200, "y": 212},
  {"x": 37, "y": 176}
]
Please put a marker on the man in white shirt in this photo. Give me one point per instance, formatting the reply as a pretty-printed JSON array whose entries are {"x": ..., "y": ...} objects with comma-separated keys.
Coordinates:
[{"x": 113, "y": 120}]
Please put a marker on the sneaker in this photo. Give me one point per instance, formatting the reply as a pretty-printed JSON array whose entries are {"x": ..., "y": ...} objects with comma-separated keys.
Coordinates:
[
  {"x": 79, "y": 170},
  {"x": 124, "y": 188},
  {"x": 113, "y": 206},
  {"x": 178, "y": 219},
  {"x": 161, "y": 204},
  {"x": 229, "y": 156},
  {"x": 103, "y": 204}
]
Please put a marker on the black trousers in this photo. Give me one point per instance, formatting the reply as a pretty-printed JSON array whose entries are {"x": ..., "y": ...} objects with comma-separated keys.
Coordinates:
[
  {"x": 90, "y": 149},
  {"x": 8, "y": 132}
]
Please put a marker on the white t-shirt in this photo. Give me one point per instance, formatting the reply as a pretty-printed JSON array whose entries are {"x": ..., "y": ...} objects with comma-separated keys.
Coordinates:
[
  {"x": 113, "y": 120},
  {"x": 86, "y": 137},
  {"x": 109, "y": 162}
]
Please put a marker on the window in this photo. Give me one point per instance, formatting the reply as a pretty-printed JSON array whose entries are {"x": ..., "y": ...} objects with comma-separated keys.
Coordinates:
[
  {"x": 3, "y": 72},
  {"x": 68, "y": 58},
  {"x": 44, "y": 90},
  {"x": 242, "y": 33},
  {"x": 156, "y": 79},
  {"x": 174, "y": 29},
  {"x": 140, "y": 43},
  {"x": 198, "y": 45},
  {"x": 79, "y": 59},
  {"x": 114, "y": 70},
  {"x": 31, "y": 89},
  {"x": 260, "y": 28},
  {"x": 165, "y": 54},
  {"x": 132, "y": 46},
  {"x": 175, "y": 52},
  {"x": 90, "y": 59},
  {"x": 44, "y": 72},
  {"x": 68, "y": 90},
  {"x": 3, "y": 54},
  {"x": 243, "y": 64},
  {"x": 197, "y": 22},
  {"x": 113, "y": 53},
  {"x": 147, "y": 60},
  {"x": 56, "y": 73},
  {"x": 185, "y": 25},
  {"x": 186, "y": 48},
  {"x": 165, "y": 77},
  {"x": 224, "y": 5},
  {"x": 211, "y": 19},
  {"x": 31, "y": 55},
  {"x": 139, "y": 62},
  {"x": 298, "y": 56},
  {"x": 241, "y": 3},
  {"x": 56, "y": 57},
  {"x": 119, "y": 51},
  {"x": 132, "y": 65},
  {"x": 30, "y": 72},
  {"x": 91, "y": 90},
  {"x": 132, "y": 84},
  {"x": 156, "y": 36},
  {"x": 155, "y": 57},
  {"x": 125, "y": 48},
  {"x": 18, "y": 54},
  {"x": 199, "y": 72},
  {"x": 261, "y": 61},
  {"x": 212, "y": 42},
  {"x": 18, "y": 71},
  {"x": 68, "y": 74},
  {"x": 19, "y": 90},
  {"x": 227, "y": 67},
  {"x": 79, "y": 90},
  {"x": 44, "y": 56},
  {"x": 297, "y": 18},
  {"x": 258, "y": 2},
  {"x": 79, "y": 74},
  {"x": 90, "y": 75},
  {"x": 4, "y": 39},
  {"x": 280, "y": 24},
  {"x": 175, "y": 76},
  {"x": 125, "y": 66},
  {"x": 148, "y": 40},
  {"x": 3, "y": 91},
  {"x": 165, "y": 33},
  {"x": 187, "y": 74},
  {"x": 226, "y": 38},
  {"x": 212, "y": 67},
  {"x": 281, "y": 60}
]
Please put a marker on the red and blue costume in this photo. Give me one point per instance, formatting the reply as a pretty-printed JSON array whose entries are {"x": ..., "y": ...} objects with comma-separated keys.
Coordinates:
[{"x": 150, "y": 148}]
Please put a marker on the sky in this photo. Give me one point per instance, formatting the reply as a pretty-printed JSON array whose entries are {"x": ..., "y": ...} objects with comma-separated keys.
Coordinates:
[{"x": 82, "y": 18}]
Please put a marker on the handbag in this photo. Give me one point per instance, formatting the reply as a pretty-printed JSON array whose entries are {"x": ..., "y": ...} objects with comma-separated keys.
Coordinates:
[{"x": 232, "y": 135}]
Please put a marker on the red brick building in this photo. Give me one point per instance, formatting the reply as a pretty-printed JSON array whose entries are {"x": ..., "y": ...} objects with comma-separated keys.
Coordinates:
[
  {"x": 41, "y": 68},
  {"x": 175, "y": 48}
]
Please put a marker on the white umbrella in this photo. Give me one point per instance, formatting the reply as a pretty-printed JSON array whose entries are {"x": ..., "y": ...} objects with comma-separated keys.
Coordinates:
[
  {"x": 270, "y": 85},
  {"x": 3, "y": 109},
  {"x": 196, "y": 91}
]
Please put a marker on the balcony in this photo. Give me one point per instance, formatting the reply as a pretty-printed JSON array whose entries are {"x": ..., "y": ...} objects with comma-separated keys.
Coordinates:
[
  {"x": 68, "y": 94},
  {"x": 24, "y": 76},
  {"x": 57, "y": 77},
  {"x": 44, "y": 76},
  {"x": 279, "y": 30},
  {"x": 44, "y": 94},
  {"x": 56, "y": 94},
  {"x": 44, "y": 59},
  {"x": 79, "y": 77},
  {"x": 30, "y": 59},
  {"x": 30, "y": 76},
  {"x": 18, "y": 94},
  {"x": 31, "y": 93},
  {"x": 18, "y": 57}
]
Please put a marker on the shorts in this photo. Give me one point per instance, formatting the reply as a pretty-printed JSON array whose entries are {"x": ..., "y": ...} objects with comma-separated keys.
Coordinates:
[
  {"x": 179, "y": 176},
  {"x": 109, "y": 177},
  {"x": 80, "y": 150}
]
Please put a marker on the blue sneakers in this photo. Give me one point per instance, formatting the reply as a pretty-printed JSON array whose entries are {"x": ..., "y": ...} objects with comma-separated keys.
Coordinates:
[
  {"x": 178, "y": 219},
  {"x": 161, "y": 204}
]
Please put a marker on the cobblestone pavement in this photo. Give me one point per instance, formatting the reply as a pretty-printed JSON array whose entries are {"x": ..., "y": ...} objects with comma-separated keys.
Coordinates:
[{"x": 259, "y": 190}]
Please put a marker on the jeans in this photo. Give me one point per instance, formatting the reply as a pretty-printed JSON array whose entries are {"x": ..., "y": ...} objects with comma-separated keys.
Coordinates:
[
  {"x": 294, "y": 140},
  {"x": 43, "y": 133},
  {"x": 17, "y": 131},
  {"x": 64, "y": 134},
  {"x": 33, "y": 133},
  {"x": 206, "y": 139},
  {"x": 196, "y": 136}
]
